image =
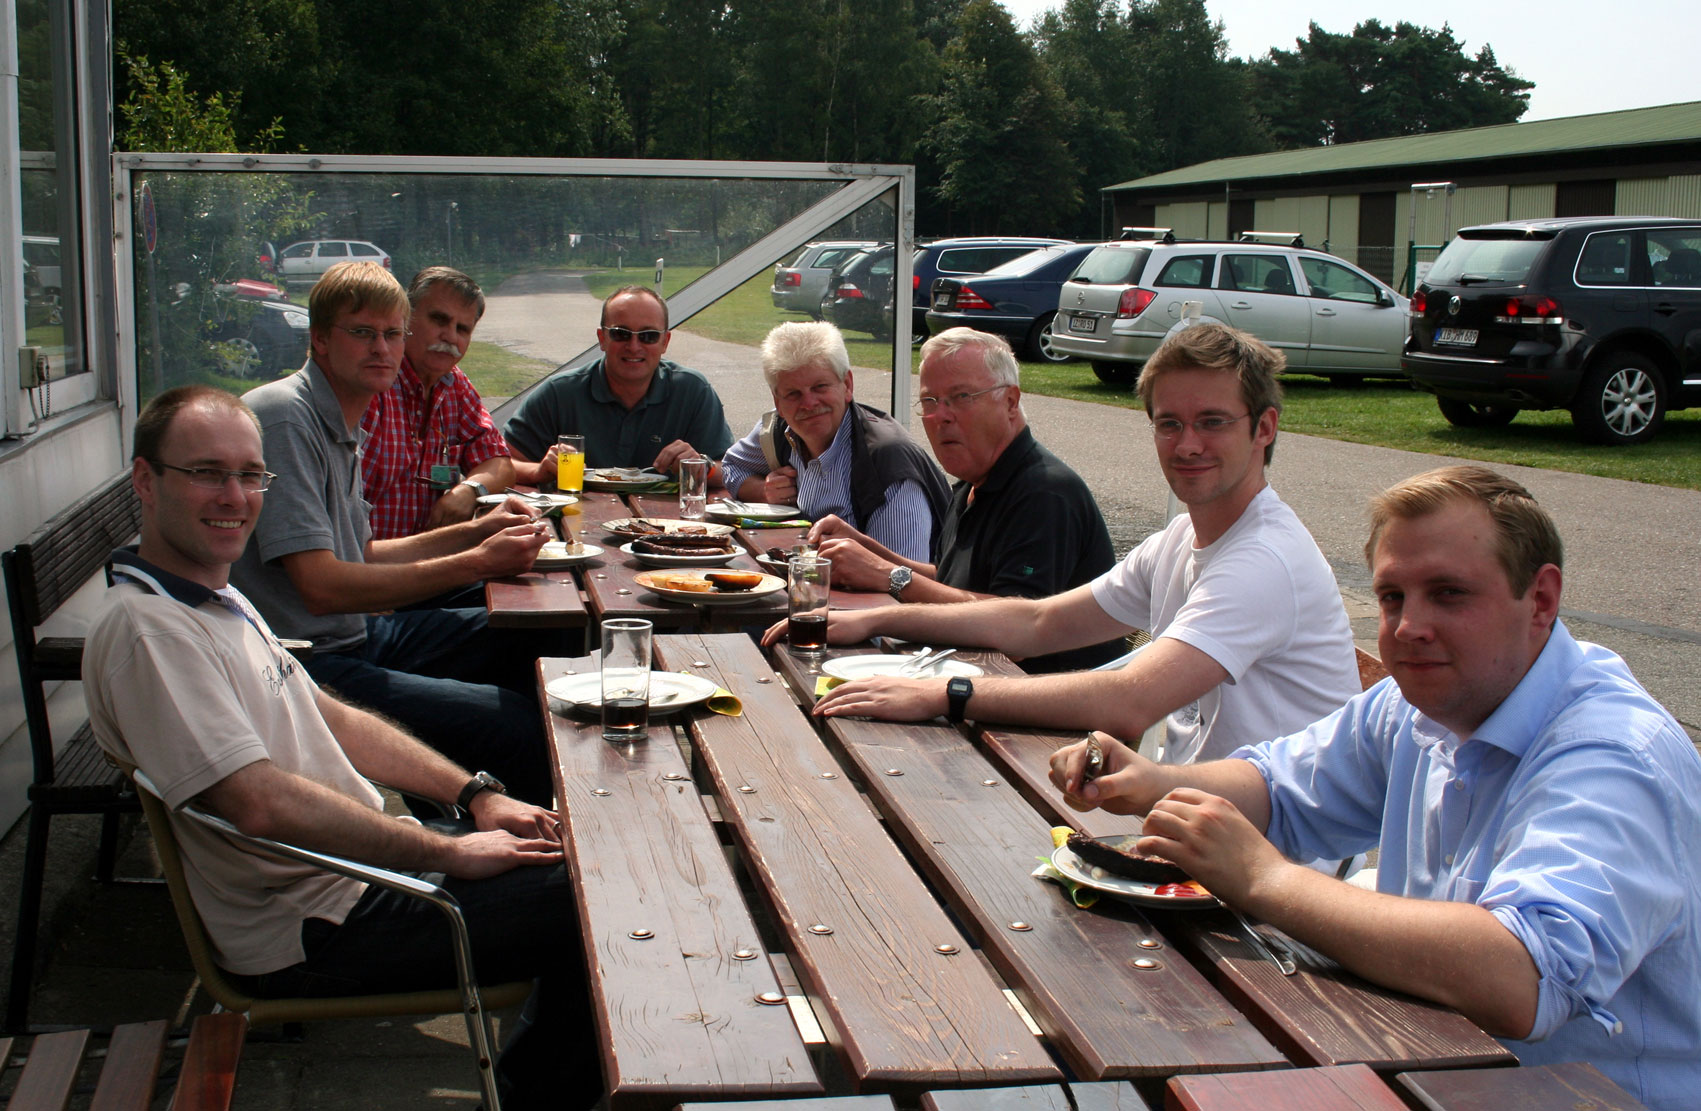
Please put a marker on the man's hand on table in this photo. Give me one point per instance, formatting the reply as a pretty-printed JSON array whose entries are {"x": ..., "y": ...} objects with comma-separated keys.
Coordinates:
[
  {"x": 477, "y": 856},
  {"x": 453, "y": 507},
  {"x": 1122, "y": 779},
  {"x": 779, "y": 486},
  {"x": 511, "y": 551},
  {"x": 513, "y": 511},
  {"x": 493, "y": 810},
  {"x": 854, "y": 566},
  {"x": 668, "y": 458},
  {"x": 831, "y": 526},
  {"x": 885, "y": 698},
  {"x": 843, "y": 627},
  {"x": 1211, "y": 839}
]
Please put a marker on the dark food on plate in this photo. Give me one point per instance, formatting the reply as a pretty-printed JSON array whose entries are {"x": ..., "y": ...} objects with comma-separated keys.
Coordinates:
[
  {"x": 1122, "y": 862},
  {"x": 734, "y": 580},
  {"x": 677, "y": 544}
]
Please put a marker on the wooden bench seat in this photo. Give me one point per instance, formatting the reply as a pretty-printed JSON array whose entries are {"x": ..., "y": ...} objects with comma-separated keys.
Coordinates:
[
  {"x": 205, "y": 1081},
  {"x": 1341, "y": 1088},
  {"x": 1574, "y": 1086},
  {"x": 1100, "y": 1096}
]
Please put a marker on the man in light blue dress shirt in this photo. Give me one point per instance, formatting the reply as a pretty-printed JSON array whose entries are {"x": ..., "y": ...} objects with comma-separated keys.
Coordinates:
[{"x": 1538, "y": 812}]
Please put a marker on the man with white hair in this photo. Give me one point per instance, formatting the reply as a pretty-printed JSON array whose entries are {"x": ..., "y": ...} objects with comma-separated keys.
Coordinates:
[
  {"x": 432, "y": 418},
  {"x": 1021, "y": 523},
  {"x": 830, "y": 455}
]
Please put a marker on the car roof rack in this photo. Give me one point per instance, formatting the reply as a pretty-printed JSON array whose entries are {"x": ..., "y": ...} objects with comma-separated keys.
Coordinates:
[
  {"x": 1162, "y": 235},
  {"x": 1278, "y": 238}
]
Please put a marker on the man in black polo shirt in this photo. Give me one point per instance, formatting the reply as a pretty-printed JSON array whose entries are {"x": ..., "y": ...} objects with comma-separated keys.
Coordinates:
[{"x": 1020, "y": 523}]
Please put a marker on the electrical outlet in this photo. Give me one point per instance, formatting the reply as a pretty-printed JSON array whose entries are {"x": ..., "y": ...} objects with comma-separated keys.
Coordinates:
[{"x": 32, "y": 367}]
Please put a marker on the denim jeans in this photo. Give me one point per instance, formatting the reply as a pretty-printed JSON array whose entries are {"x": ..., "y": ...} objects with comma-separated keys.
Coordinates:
[
  {"x": 522, "y": 926},
  {"x": 467, "y": 691}
]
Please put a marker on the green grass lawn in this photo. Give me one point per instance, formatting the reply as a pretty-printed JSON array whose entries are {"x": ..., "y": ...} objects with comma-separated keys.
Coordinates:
[
  {"x": 498, "y": 372},
  {"x": 1382, "y": 413}
]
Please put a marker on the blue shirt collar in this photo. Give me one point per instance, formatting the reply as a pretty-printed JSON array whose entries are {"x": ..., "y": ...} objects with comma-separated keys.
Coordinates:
[
  {"x": 1521, "y": 717},
  {"x": 127, "y": 564}
]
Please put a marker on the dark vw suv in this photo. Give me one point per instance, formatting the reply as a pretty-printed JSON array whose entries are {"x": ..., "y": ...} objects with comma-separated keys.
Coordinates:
[{"x": 1600, "y": 315}]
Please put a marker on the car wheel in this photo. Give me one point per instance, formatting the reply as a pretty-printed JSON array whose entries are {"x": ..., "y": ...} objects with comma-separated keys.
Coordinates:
[
  {"x": 1622, "y": 400},
  {"x": 1115, "y": 374},
  {"x": 237, "y": 357},
  {"x": 1039, "y": 341},
  {"x": 1465, "y": 414}
]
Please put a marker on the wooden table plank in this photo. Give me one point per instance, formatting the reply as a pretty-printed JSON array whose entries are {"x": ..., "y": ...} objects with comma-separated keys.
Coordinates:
[
  {"x": 1341, "y": 1088},
  {"x": 1325, "y": 1015},
  {"x": 678, "y": 1009},
  {"x": 1575, "y": 1085},
  {"x": 1104, "y": 985},
  {"x": 1099, "y": 1096},
  {"x": 828, "y": 1103},
  {"x": 902, "y": 1015},
  {"x": 537, "y": 599}
]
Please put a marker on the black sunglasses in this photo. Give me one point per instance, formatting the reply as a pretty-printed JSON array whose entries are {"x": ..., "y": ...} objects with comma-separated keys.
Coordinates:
[{"x": 649, "y": 336}]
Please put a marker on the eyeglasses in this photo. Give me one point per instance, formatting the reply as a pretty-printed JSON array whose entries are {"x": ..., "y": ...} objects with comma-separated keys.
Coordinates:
[
  {"x": 391, "y": 336},
  {"x": 649, "y": 337},
  {"x": 214, "y": 478},
  {"x": 927, "y": 406},
  {"x": 1168, "y": 428}
]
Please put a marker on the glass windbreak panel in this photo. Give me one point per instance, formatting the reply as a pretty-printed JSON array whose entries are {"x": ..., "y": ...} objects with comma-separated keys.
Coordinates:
[
  {"x": 222, "y": 297},
  {"x": 51, "y": 281}
]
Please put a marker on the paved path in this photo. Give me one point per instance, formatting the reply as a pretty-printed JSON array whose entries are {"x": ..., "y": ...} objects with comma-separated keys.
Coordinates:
[{"x": 1633, "y": 551}]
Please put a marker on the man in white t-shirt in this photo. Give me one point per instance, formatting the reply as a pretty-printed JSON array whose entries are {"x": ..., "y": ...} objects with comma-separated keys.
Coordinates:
[{"x": 1249, "y": 634}]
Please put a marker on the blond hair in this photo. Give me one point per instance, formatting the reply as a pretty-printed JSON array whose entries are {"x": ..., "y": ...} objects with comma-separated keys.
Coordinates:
[{"x": 1525, "y": 537}]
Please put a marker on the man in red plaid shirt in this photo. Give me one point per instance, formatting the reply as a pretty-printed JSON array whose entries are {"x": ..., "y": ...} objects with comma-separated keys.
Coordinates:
[{"x": 432, "y": 416}]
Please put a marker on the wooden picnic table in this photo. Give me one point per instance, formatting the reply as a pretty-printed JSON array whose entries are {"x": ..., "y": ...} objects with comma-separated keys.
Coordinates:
[{"x": 743, "y": 905}]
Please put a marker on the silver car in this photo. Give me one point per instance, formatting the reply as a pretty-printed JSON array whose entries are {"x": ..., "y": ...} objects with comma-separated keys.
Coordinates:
[
  {"x": 799, "y": 284},
  {"x": 1328, "y": 316},
  {"x": 307, "y": 261}
]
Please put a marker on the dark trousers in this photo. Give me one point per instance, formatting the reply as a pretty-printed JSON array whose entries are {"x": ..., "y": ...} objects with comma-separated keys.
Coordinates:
[
  {"x": 522, "y": 926},
  {"x": 467, "y": 691}
]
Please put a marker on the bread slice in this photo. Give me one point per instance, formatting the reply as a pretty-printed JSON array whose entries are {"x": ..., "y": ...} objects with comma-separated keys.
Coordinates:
[{"x": 1125, "y": 862}]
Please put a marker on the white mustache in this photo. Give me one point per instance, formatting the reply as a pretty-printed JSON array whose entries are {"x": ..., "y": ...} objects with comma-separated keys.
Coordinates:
[{"x": 444, "y": 349}]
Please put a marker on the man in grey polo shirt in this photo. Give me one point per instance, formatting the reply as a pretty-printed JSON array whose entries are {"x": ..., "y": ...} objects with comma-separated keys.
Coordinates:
[{"x": 315, "y": 573}]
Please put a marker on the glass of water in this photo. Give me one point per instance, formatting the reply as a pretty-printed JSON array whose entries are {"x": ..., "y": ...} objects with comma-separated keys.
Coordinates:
[{"x": 693, "y": 487}]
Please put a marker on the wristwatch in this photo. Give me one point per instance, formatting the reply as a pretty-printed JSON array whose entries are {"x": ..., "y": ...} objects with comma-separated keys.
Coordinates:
[
  {"x": 482, "y": 781},
  {"x": 957, "y": 694},
  {"x": 900, "y": 578},
  {"x": 479, "y": 489}
]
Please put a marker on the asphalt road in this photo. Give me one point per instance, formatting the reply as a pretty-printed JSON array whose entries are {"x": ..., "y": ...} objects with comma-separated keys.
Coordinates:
[{"x": 1633, "y": 552}]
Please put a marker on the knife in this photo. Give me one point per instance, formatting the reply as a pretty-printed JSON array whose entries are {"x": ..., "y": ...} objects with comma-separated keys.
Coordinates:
[{"x": 1281, "y": 959}]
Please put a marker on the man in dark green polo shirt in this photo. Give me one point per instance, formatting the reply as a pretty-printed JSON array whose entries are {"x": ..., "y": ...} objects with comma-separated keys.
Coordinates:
[{"x": 633, "y": 407}]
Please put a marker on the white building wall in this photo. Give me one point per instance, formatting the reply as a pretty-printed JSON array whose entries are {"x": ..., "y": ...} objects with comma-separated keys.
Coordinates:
[
  {"x": 1343, "y": 225},
  {"x": 1531, "y": 202},
  {"x": 1684, "y": 196},
  {"x": 1187, "y": 219}
]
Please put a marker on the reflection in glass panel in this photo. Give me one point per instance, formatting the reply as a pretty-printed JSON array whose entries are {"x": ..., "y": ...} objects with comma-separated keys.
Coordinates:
[
  {"x": 222, "y": 298},
  {"x": 51, "y": 278}
]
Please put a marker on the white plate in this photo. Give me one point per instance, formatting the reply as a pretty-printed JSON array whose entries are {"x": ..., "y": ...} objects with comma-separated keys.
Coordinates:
[
  {"x": 1063, "y": 858},
  {"x": 616, "y": 479},
  {"x": 622, "y": 526},
  {"x": 757, "y": 511},
  {"x": 553, "y": 556},
  {"x": 669, "y": 691},
  {"x": 710, "y": 559},
  {"x": 767, "y": 588},
  {"x": 544, "y": 502},
  {"x": 861, "y": 667}
]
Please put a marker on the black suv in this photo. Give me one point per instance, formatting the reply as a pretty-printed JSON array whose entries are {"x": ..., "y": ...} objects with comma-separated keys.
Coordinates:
[{"x": 1600, "y": 315}]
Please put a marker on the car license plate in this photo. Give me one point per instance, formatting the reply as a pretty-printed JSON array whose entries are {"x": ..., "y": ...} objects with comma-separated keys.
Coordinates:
[
  {"x": 941, "y": 300},
  {"x": 1459, "y": 337},
  {"x": 1083, "y": 324}
]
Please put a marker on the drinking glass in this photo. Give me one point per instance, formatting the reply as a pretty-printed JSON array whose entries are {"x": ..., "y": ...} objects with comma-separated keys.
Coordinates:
[
  {"x": 808, "y": 581},
  {"x": 693, "y": 488},
  {"x": 570, "y": 464},
  {"x": 625, "y": 669}
]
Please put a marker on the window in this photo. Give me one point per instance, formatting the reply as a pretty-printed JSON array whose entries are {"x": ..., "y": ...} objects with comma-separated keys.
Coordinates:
[
  {"x": 1256, "y": 274},
  {"x": 1605, "y": 259},
  {"x": 832, "y": 256},
  {"x": 333, "y": 249},
  {"x": 298, "y": 250},
  {"x": 1336, "y": 282},
  {"x": 363, "y": 250},
  {"x": 1188, "y": 271},
  {"x": 1674, "y": 257}
]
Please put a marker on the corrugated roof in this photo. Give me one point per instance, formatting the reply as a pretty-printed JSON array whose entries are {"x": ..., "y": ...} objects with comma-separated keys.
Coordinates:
[{"x": 1665, "y": 123}]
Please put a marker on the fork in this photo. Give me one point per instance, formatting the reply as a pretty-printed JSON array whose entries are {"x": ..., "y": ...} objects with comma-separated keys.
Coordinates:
[
  {"x": 1280, "y": 958},
  {"x": 919, "y": 662}
]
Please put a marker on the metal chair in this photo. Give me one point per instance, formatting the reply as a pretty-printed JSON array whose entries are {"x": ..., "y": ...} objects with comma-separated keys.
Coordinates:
[{"x": 467, "y": 998}]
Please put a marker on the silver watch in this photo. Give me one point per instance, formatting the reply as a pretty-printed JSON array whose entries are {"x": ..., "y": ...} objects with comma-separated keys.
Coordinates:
[
  {"x": 479, "y": 488},
  {"x": 901, "y": 577}
]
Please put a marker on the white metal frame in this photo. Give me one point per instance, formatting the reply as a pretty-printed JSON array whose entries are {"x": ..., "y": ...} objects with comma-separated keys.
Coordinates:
[{"x": 863, "y": 182}]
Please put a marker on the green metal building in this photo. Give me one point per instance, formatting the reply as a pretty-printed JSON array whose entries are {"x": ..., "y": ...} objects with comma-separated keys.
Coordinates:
[{"x": 1358, "y": 201}]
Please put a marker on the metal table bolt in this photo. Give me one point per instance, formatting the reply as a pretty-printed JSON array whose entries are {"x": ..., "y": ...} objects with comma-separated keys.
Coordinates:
[
  {"x": 763, "y": 679},
  {"x": 770, "y": 999},
  {"x": 946, "y": 949},
  {"x": 829, "y": 775},
  {"x": 1020, "y": 927},
  {"x": 699, "y": 663},
  {"x": 1149, "y": 943},
  {"x": 1146, "y": 964},
  {"x": 602, "y": 574},
  {"x": 599, "y": 791},
  {"x": 821, "y": 928},
  {"x": 894, "y": 771},
  {"x": 746, "y": 789},
  {"x": 989, "y": 783},
  {"x": 676, "y": 776},
  {"x": 641, "y": 934},
  {"x": 622, "y": 590},
  {"x": 744, "y": 954}
]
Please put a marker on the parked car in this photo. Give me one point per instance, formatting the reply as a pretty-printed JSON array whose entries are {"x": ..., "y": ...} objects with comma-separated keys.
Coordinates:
[
  {"x": 308, "y": 260},
  {"x": 253, "y": 331},
  {"x": 1017, "y": 299},
  {"x": 963, "y": 255},
  {"x": 43, "y": 283},
  {"x": 798, "y": 285},
  {"x": 1599, "y": 315},
  {"x": 1326, "y": 315},
  {"x": 858, "y": 294}
]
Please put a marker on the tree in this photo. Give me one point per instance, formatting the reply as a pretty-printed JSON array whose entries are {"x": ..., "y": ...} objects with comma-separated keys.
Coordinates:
[
  {"x": 1087, "y": 47},
  {"x": 1379, "y": 82},
  {"x": 997, "y": 130},
  {"x": 1193, "y": 102}
]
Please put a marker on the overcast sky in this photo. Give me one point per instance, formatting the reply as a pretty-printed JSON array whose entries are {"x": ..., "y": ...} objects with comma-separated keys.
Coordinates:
[{"x": 1584, "y": 56}]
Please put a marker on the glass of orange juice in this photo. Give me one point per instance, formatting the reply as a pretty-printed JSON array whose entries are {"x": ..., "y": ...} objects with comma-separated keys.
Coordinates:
[{"x": 570, "y": 464}]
